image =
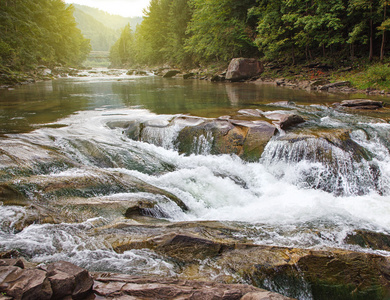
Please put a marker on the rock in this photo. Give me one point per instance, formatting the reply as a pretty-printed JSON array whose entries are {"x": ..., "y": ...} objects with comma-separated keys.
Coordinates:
[
  {"x": 258, "y": 135},
  {"x": 84, "y": 186},
  {"x": 251, "y": 112},
  {"x": 188, "y": 75},
  {"x": 332, "y": 274},
  {"x": 11, "y": 262},
  {"x": 334, "y": 84},
  {"x": 217, "y": 78},
  {"x": 243, "y": 68},
  {"x": 362, "y": 104},
  {"x": 225, "y": 136},
  {"x": 68, "y": 279},
  {"x": 137, "y": 72},
  {"x": 25, "y": 284},
  {"x": 119, "y": 285},
  {"x": 171, "y": 73},
  {"x": 319, "y": 82},
  {"x": 369, "y": 239},
  {"x": 178, "y": 246},
  {"x": 264, "y": 296},
  {"x": 285, "y": 121}
]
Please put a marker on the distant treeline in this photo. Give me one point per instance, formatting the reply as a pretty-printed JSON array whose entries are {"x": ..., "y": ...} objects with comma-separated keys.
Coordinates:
[
  {"x": 34, "y": 32},
  {"x": 187, "y": 32}
]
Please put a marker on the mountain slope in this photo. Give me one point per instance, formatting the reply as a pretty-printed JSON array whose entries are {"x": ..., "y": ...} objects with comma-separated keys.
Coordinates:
[{"x": 112, "y": 21}]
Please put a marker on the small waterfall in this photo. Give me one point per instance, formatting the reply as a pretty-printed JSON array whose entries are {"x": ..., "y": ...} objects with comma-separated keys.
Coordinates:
[
  {"x": 341, "y": 167},
  {"x": 202, "y": 144}
]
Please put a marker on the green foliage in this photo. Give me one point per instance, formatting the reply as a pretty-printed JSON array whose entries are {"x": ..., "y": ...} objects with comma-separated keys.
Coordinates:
[
  {"x": 376, "y": 76},
  {"x": 379, "y": 75},
  {"x": 185, "y": 32},
  {"x": 218, "y": 31},
  {"x": 122, "y": 52},
  {"x": 39, "y": 32}
]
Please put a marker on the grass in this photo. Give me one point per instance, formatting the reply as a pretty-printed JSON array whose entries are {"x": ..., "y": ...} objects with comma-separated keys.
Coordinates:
[
  {"x": 364, "y": 76},
  {"x": 376, "y": 76}
]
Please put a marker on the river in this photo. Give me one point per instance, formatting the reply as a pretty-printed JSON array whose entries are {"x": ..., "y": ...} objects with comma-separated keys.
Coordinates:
[{"x": 63, "y": 132}]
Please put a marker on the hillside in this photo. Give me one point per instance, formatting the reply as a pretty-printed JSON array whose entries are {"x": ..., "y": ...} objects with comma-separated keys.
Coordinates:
[
  {"x": 111, "y": 21},
  {"x": 102, "y": 28}
]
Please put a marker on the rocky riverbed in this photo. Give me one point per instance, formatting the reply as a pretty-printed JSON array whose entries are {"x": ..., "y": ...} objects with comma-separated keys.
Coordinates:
[{"x": 290, "y": 198}]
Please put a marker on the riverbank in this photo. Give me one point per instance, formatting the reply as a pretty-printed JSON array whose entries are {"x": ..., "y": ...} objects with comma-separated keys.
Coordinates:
[
  {"x": 363, "y": 79},
  {"x": 10, "y": 78}
]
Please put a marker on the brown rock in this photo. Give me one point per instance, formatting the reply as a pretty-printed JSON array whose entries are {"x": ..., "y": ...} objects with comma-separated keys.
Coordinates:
[
  {"x": 288, "y": 121},
  {"x": 68, "y": 279},
  {"x": 338, "y": 274},
  {"x": 362, "y": 104},
  {"x": 25, "y": 284},
  {"x": 259, "y": 134},
  {"x": 11, "y": 262},
  {"x": 118, "y": 285},
  {"x": 180, "y": 245},
  {"x": 334, "y": 84},
  {"x": 243, "y": 68},
  {"x": 264, "y": 296}
]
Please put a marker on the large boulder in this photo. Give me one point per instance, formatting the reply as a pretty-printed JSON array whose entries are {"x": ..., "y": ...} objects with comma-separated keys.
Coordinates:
[{"x": 244, "y": 68}]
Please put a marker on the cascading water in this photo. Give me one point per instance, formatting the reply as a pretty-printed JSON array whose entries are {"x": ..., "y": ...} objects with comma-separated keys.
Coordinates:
[{"x": 310, "y": 188}]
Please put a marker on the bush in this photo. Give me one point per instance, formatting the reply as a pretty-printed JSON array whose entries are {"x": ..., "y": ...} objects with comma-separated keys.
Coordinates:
[{"x": 379, "y": 75}]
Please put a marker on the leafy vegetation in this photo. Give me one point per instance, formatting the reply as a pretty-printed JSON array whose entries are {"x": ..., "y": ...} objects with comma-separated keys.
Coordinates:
[
  {"x": 39, "y": 32},
  {"x": 193, "y": 32}
]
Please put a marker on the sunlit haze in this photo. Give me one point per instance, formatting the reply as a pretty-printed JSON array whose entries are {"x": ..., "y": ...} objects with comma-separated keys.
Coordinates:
[{"x": 126, "y": 8}]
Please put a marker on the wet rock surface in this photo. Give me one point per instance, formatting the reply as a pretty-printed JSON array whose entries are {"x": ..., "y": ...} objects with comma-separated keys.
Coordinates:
[
  {"x": 115, "y": 285},
  {"x": 63, "y": 280}
]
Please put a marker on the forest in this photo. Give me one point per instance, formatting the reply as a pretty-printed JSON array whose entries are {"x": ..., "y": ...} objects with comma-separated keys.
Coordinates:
[
  {"x": 194, "y": 32},
  {"x": 39, "y": 32},
  {"x": 101, "y": 28}
]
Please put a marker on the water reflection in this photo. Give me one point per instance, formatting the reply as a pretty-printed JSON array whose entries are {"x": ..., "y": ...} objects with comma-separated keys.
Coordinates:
[{"x": 24, "y": 107}]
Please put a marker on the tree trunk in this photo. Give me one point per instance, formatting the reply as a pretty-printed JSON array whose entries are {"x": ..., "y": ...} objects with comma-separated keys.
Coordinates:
[
  {"x": 371, "y": 54},
  {"x": 383, "y": 34},
  {"x": 293, "y": 54}
]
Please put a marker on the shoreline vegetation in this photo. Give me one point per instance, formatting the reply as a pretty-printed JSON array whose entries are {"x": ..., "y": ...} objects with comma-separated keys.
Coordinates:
[{"x": 368, "y": 79}]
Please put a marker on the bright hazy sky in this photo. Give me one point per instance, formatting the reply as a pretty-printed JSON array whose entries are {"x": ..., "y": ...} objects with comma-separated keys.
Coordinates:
[{"x": 126, "y": 8}]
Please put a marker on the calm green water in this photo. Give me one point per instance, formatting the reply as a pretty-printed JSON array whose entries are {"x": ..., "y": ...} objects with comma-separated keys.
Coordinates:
[{"x": 27, "y": 107}]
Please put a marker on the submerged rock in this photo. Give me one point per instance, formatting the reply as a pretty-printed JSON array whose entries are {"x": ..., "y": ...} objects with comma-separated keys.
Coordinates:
[{"x": 243, "y": 68}]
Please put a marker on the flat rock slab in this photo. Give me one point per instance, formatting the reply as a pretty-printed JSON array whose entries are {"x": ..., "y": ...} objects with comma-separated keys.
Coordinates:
[
  {"x": 119, "y": 285},
  {"x": 362, "y": 104}
]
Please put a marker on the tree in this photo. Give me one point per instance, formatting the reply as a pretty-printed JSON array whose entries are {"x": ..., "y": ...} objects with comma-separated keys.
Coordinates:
[
  {"x": 39, "y": 32},
  {"x": 218, "y": 31}
]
